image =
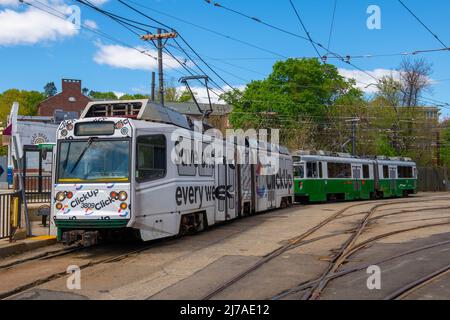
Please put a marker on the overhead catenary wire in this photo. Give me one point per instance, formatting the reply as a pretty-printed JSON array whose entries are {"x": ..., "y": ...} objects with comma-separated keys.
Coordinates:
[
  {"x": 127, "y": 24},
  {"x": 332, "y": 24},
  {"x": 64, "y": 17},
  {"x": 340, "y": 57},
  {"x": 218, "y": 33},
  {"x": 278, "y": 55},
  {"x": 181, "y": 37},
  {"x": 423, "y": 24},
  {"x": 306, "y": 31}
]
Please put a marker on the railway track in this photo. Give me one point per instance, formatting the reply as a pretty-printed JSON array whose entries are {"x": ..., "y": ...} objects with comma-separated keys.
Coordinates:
[
  {"x": 58, "y": 275},
  {"x": 90, "y": 264},
  {"x": 411, "y": 287},
  {"x": 345, "y": 272},
  {"x": 301, "y": 239},
  {"x": 296, "y": 241}
]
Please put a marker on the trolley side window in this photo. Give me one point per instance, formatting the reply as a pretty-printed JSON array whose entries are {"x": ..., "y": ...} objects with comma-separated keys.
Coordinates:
[
  {"x": 339, "y": 170},
  {"x": 151, "y": 158},
  {"x": 405, "y": 172},
  {"x": 386, "y": 172},
  {"x": 299, "y": 171},
  {"x": 366, "y": 172},
  {"x": 311, "y": 170}
]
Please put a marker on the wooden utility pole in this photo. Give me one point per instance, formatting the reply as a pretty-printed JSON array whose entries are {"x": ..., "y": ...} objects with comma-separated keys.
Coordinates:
[
  {"x": 153, "y": 87},
  {"x": 159, "y": 37}
]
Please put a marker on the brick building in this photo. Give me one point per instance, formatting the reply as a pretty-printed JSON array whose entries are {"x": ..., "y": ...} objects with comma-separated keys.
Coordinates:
[{"x": 70, "y": 99}]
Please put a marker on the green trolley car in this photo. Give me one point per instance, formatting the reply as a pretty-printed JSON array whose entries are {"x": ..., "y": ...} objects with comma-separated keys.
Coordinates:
[{"x": 320, "y": 177}]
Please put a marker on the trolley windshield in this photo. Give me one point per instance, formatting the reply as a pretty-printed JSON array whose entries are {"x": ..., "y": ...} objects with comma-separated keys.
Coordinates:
[{"x": 93, "y": 160}]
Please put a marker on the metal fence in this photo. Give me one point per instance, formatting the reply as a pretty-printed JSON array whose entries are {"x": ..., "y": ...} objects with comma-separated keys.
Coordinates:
[
  {"x": 7, "y": 208},
  {"x": 38, "y": 189},
  {"x": 433, "y": 179}
]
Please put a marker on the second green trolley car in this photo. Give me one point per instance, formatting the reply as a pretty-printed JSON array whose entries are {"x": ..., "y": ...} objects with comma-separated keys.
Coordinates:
[{"x": 322, "y": 177}]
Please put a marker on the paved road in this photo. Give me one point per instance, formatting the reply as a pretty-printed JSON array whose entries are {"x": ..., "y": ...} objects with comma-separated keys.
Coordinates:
[{"x": 193, "y": 266}]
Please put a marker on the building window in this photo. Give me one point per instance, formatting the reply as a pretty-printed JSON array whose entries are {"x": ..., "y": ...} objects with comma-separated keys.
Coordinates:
[{"x": 151, "y": 158}]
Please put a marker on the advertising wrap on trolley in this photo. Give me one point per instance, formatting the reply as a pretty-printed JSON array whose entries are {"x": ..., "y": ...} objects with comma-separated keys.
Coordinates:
[{"x": 93, "y": 168}]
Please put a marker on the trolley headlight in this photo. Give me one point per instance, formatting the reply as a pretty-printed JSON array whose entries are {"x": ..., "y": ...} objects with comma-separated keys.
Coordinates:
[
  {"x": 123, "y": 196},
  {"x": 60, "y": 196}
]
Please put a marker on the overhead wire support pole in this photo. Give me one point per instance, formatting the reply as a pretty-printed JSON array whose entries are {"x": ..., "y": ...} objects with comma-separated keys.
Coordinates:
[
  {"x": 354, "y": 122},
  {"x": 159, "y": 37}
]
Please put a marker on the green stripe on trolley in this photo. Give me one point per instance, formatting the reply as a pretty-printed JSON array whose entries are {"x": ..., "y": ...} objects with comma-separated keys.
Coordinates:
[{"x": 91, "y": 224}]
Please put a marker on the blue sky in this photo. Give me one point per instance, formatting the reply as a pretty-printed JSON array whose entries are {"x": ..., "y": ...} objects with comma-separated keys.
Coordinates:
[{"x": 37, "y": 48}]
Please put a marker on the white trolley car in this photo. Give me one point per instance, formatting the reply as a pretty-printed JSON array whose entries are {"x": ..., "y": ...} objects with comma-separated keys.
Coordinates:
[{"x": 114, "y": 172}]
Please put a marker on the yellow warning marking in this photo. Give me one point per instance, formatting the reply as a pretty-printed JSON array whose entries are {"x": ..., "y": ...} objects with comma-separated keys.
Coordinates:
[{"x": 43, "y": 238}]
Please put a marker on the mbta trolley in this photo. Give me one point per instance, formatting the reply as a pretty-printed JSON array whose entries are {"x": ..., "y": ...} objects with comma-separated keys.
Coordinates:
[
  {"x": 320, "y": 177},
  {"x": 114, "y": 172}
]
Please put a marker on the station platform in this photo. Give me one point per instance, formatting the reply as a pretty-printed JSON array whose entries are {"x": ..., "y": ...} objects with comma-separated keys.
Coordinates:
[
  {"x": 40, "y": 238},
  {"x": 21, "y": 246}
]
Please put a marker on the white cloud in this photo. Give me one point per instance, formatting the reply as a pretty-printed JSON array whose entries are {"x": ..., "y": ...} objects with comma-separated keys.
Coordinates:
[
  {"x": 363, "y": 79},
  {"x": 202, "y": 94},
  {"x": 9, "y": 3},
  {"x": 98, "y": 2},
  {"x": 119, "y": 94},
  {"x": 90, "y": 24},
  {"x": 33, "y": 25},
  {"x": 128, "y": 58}
]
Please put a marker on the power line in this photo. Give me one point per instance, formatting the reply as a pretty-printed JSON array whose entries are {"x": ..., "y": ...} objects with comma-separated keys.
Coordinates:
[
  {"x": 100, "y": 33},
  {"x": 306, "y": 31},
  {"x": 332, "y": 24},
  {"x": 181, "y": 37},
  {"x": 125, "y": 24},
  {"x": 423, "y": 24},
  {"x": 343, "y": 59},
  {"x": 218, "y": 33}
]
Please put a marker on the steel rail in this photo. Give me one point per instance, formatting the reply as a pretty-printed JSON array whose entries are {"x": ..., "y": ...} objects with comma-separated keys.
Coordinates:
[
  {"x": 417, "y": 284},
  {"x": 296, "y": 241}
]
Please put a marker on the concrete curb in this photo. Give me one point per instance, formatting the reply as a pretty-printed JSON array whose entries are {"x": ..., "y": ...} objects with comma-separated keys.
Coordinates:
[{"x": 29, "y": 244}]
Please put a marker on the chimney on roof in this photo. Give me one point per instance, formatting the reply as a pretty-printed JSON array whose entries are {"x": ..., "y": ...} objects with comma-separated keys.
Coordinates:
[{"x": 71, "y": 86}]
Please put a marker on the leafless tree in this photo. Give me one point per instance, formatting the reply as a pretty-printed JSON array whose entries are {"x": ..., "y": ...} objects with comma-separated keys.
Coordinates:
[{"x": 414, "y": 79}]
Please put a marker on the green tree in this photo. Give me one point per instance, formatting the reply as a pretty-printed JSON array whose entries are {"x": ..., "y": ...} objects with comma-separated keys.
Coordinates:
[
  {"x": 50, "y": 89},
  {"x": 171, "y": 94},
  {"x": 445, "y": 150},
  {"x": 97, "y": 95},
  {"x": 298, "y": 92},
  {"x": 186, "y": 96},
  {"x": 137, "y": 96},
  {"x": 28, "y": 105}
]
